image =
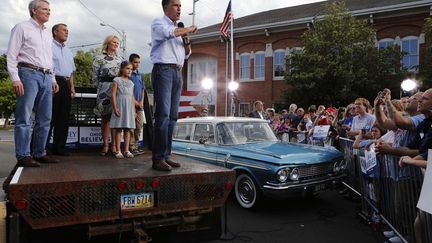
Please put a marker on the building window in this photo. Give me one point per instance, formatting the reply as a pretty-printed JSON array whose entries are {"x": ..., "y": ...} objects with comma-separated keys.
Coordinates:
[
  {"x": 244, "y": 109},
  {"x": 245, "y": 66},
  {"x": 279, "y": 64},
  {"x": 259, "y": 66},
  {"x": 199, "y": 68},
  {"x": 384, "y": 43},
  {"x": 410, "y": 46}
]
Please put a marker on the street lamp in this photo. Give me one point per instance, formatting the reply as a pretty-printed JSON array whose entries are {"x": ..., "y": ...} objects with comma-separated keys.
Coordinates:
[
  {"x": 408, "y": 86},
  {"x": 233, "y": 86},
  {"x": 122, "y": 36},
  {"x": 207, "y": 85}
]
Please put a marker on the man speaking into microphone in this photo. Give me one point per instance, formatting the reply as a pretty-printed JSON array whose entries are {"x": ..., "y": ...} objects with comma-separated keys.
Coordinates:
[{"x": 170, "y": 47}]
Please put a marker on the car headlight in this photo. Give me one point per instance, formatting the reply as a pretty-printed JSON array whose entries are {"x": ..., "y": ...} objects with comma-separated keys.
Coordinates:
[
  {"x": 294, "y": 175},
  {"x": 336, "y": 166},
  {"x": 282, "y": 175},
  {"x": 342, "y": 164}
]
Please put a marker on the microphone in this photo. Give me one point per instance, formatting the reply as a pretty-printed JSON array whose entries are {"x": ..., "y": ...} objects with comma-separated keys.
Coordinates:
[{"x": 185, "y": 37}]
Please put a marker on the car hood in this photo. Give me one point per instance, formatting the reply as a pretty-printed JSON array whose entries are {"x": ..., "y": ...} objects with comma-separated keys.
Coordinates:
[{"x": 288, "y": 153}]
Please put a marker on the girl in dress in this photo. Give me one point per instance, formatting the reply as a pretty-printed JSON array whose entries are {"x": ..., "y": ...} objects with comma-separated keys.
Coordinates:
[{"x": 123, "y": 116}]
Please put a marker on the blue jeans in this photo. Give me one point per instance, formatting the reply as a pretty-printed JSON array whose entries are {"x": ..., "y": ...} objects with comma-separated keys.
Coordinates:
[
  {"x": 38, "y": 98},
  {"x": 167, "y": 85}
]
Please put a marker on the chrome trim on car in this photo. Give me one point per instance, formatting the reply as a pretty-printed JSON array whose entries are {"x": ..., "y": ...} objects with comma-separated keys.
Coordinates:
[
  {"x": 195, "y": 156},
  {"x": 275, "y": 187},
  {"x": 236, "y": 162}
]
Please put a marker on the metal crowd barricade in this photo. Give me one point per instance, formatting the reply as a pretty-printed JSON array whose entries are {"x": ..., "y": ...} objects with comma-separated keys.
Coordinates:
[{"x": 390, "y": 192}]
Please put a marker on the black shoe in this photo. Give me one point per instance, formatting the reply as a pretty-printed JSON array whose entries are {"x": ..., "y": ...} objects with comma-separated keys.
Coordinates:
[
  {"x": 27, "y": 162},
  {"x": 172, "y": 163},
  {"x": 46, "y": 160},
  {"x": 161, "y": 165}
]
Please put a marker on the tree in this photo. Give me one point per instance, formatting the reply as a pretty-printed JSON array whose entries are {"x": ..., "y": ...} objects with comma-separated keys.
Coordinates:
[
  {"x": 340, "y": 62},
  {"x": 84, "y": 64},
  {"x": 147, "y": 82},
  {"x": 3, "y": 67},
  {"x": 7, "y": 99},
  {"x": 426, "y": 68}
]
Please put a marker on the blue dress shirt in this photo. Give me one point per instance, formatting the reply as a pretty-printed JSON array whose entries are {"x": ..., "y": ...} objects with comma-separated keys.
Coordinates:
[
  {"x": 63, "y": 60},
  {"x": 166, "y": 48}
]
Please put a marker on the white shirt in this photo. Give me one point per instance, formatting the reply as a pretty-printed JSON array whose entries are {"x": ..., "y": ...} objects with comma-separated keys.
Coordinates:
[{"x": 31, "y": 43}]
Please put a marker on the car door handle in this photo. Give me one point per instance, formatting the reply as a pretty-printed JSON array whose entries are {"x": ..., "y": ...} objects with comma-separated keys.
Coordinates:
[{"x": 188, "y": 148}]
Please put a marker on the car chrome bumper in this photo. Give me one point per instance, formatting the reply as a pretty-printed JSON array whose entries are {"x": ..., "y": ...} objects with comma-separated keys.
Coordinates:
[{"x": 275, "y": 190}]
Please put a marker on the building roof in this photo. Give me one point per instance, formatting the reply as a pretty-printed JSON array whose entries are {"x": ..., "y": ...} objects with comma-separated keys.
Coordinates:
[{"x": 304, "y": 13}]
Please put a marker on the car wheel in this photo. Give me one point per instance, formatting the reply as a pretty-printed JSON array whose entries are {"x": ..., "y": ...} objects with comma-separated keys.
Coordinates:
[{"x": 246, "y": 191}]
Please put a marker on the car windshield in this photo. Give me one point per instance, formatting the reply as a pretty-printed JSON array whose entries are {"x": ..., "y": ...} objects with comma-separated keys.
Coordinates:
[{"x": 230, "y": 133}]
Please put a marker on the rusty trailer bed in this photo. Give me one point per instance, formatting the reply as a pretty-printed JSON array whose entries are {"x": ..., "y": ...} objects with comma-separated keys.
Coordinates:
[{"x": 86, "y": 188}]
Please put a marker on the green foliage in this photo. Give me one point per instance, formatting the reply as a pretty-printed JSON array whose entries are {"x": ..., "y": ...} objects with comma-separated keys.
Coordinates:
[
  {"x": 3, "y": 67},
  {"x": 83, "y": 63},
  {"x": 7, "y": 97},
  {"x": 147, "y": 82},
  {"x": 426, "y": 68},
  {"x": 340, "y": 62}
]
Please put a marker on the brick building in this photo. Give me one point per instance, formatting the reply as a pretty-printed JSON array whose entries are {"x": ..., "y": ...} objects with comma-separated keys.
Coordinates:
[{"x": 262, "y": 40}]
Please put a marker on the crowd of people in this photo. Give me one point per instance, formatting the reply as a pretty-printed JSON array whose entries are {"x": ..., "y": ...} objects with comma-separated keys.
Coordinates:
[{"x": 390, "y": 127}]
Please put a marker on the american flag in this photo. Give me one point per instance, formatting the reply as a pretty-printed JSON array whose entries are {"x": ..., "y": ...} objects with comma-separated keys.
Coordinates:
[
  {"x": 186, "y": 109},
  {"x": 225, "y": 26}
]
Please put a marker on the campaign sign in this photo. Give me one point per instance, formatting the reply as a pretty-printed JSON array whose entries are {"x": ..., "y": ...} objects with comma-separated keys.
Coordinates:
[
  {"x": 90, "y": 135},
  {"x": 320, "y": 132},
  {"x": 368, "y": 163},
  {"x": 72, "y": 135}
]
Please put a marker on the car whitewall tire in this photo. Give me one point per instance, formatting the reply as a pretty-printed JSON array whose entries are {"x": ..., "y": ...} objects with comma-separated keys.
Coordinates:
[{"x": 246, "y": 192}]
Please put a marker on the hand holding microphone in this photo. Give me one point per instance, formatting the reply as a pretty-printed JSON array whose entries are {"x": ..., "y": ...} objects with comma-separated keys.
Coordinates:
[{"x": 185, "y": 32}]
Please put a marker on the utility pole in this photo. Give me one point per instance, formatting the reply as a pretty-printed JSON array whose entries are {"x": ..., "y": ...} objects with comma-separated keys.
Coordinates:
[{"x": 193, "y": 12}]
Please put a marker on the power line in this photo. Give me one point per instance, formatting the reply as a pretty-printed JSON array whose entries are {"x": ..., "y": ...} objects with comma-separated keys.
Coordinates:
[
  {"x": 84, "y": 45},
  {"x": 90, "y": 11}
]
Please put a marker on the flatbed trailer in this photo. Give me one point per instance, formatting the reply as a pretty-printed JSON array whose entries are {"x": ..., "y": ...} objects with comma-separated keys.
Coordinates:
[{"x": 103, "y": 195}]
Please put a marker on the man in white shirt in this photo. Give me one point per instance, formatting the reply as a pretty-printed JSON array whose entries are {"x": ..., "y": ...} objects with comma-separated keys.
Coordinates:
[{"x": 30, "y": 66}]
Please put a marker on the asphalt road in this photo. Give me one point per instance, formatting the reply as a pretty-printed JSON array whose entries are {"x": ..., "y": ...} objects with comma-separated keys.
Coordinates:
[{"x": 326, "y": 218}]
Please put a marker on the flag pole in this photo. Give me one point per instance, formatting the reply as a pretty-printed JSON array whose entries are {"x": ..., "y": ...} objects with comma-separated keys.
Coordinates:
[
  {"x": 232, "y": 56},
  {"x": 226, "y": 76}
]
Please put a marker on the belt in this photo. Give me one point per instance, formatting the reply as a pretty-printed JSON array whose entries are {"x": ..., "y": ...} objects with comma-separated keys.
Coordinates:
[
  {"x": 31, "y": 66},
  {"x": 170, "y": 65},
  {"x": 62, "y": 77}
]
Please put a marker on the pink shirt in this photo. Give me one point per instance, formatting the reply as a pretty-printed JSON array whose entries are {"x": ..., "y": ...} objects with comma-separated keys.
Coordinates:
[{"x": 30, "y": 43}]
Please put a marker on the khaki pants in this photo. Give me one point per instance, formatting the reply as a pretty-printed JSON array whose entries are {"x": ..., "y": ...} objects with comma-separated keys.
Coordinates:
[{"x": 135, "y": 134}]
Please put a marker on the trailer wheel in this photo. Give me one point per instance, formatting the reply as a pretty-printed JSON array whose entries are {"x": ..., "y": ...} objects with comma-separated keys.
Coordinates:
[{"x": 247, "y": 193}]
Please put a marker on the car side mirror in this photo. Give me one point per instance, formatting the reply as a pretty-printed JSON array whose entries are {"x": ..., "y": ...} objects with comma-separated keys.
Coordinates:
[{"x": 202, "y": 140}]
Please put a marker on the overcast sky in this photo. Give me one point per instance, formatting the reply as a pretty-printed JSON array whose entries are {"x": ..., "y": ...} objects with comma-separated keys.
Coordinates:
[{"x": 132, "y": 16}]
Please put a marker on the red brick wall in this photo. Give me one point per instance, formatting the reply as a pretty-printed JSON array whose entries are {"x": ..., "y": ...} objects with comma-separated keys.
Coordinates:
[{"x": 271, "y": 91}]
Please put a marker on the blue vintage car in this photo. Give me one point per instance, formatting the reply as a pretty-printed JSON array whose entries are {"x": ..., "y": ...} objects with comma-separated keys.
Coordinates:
[{"x": 265, "y": 166}]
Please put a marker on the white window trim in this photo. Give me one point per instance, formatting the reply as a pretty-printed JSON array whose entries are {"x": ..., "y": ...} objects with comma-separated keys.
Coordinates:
[
  {"x": 196, "y": 60},
  {"x": 240, "y": 66},
  {"x": 255, "y": 54},
  {"x": 273, "y": 67},
  {"x": 244, "y": 103}
]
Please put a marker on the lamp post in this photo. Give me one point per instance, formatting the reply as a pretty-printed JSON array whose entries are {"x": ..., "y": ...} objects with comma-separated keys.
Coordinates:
[
  {"x": 207, "y": 85},
  {"x": 233, "y": 86},
  {"x": 408, "y": 86},
  {"x": 122, "y": 36}
]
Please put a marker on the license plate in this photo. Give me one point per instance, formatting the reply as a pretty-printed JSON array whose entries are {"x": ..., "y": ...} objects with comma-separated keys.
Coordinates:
[
  {"x": 319, "y": 187},
  {"x": 140, "y": 200}
]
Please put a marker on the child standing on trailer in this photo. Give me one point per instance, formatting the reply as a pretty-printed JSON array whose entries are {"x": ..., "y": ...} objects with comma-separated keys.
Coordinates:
[{"x": 123, "y": 116}]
